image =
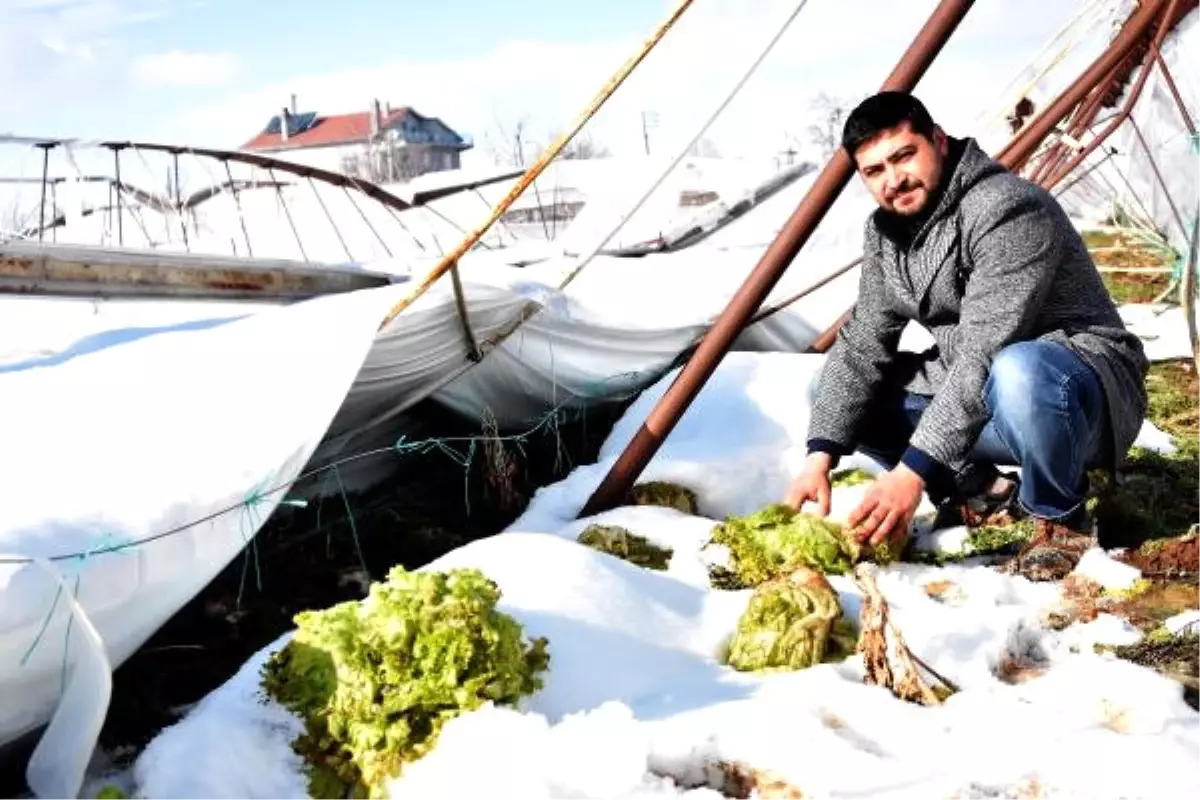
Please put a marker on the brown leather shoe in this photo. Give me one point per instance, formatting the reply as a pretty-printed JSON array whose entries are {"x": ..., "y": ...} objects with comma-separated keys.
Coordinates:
[{"x": 1053, "y": 552}]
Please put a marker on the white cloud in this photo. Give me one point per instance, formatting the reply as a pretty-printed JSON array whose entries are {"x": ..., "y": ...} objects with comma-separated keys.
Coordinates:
[
  {"x": 60, "y": 52},
  {"x": 179, "y": 68},
  {"x": 842, "y": 47}
]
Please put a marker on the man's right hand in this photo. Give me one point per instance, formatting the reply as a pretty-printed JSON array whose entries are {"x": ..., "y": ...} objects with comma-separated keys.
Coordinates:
[{"x": 812, "y": 484}]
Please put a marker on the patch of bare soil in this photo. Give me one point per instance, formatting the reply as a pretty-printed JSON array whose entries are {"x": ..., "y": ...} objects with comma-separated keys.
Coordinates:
[
  {"x": 1150, "y": 608},
  {"x": 1163, "y": 558}
]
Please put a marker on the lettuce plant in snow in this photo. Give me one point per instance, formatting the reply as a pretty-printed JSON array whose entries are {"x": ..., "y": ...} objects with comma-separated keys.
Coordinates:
[
  {"x": 619, "y": 542},
  {"x": 850, "y": 477},
  {"x": 375, "y": 681},
  {"x": 776, "y": 540},
  {"x": 664, "y": 494},
  {"x": 788, "y": 624}
]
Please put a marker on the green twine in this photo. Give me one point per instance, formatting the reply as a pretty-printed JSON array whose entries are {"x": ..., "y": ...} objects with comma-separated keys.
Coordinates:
[
  {"x": 1182, "y": 259},
  {"x": 62, "y": 675},
  {"x": 251, "y": 504},
  {"x": 549, "y": 423},
  {"x": 462, "y": 459},
  {"x": 104, "y": 544},
  {"x": 337, "y": 473},
  {"x": 37, "y": 639}
]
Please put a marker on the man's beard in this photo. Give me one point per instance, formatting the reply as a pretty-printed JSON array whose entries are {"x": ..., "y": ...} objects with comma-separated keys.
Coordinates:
[{"x": 906, "y": 188}]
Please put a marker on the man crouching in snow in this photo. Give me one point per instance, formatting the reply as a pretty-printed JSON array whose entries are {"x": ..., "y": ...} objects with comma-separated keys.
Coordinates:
[{"x": 1032, "y": 365}]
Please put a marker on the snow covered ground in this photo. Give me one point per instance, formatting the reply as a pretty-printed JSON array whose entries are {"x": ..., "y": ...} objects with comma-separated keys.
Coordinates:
[
  {"x": 637, "y": 703},
  {"x": 1161, "y": 327}
]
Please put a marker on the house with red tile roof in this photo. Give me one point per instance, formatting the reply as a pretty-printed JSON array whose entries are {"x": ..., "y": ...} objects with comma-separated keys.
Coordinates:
[{"x": 382, "y": 144}]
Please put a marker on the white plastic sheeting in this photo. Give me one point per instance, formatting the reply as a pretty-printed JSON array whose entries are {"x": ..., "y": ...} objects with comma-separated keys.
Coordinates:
[
  {"x": 137, "y": 470},
  {"x": 1126, "y": 185},
  {"x": 622, "y": 321}
]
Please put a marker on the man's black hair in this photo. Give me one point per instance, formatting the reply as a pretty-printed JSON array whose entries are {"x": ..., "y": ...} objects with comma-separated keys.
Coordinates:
[{"x": 882, "y": 111}]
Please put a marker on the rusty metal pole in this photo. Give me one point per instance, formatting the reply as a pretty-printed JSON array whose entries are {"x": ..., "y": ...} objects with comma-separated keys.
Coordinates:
[
  {"x": 1187, "y": 288},
  {"x": 1080, "y": 122},
  {"x": 825, "y": 341},
  {"x": 1083, "y": 175},
  {"x": 1083, "y": 122},
  {"x": 1170, "y": 81},
  {"x": 1027, "y": 141},
  {"x": 1162, "y": 184},
  {"x": 800, "y": 226},
  {"x": 1051, "y": 179}
]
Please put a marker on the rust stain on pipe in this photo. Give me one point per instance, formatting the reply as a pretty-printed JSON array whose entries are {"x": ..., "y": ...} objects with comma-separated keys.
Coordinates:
[{"x": 800, "y": 226}]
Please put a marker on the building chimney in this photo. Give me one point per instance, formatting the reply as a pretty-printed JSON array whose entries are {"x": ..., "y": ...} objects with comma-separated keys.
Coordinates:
[
  {"x": 374, "y": 120},
  {"x": 387, "y": 108},
  {"x": 284, "y": 119},
  {"x": 294, "y": 110}
]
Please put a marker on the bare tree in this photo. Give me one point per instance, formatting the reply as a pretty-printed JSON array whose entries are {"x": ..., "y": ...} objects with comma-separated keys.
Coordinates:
[
  {"x": 830, "y": 113},
  {"x": 582, "y": 146},
  {"x": 507, "y": 142}
]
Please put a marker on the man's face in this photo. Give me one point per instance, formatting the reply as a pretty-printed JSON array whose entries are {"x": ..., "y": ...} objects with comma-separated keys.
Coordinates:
[{"x": 901, "y": 168}]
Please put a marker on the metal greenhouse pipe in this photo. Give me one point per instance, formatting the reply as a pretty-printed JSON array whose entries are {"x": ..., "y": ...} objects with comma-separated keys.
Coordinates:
[
  {"x": 1135, "y": 92},
  {"x": 825, "y": 341},
  {"x": 800, "y": 226},
  {"x": 1084, "y": 120},
  {"x": 1170, "y": 81},
  {"x": 1086, "y": 112},
  {"x": 1020, "y": 148}
]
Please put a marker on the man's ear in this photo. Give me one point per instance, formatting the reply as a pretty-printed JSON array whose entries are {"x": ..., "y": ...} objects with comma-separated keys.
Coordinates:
[{"x": 940, "y": 140}]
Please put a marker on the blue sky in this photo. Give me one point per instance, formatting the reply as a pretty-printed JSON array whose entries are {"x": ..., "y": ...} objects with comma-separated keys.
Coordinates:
[
  {"x": 101, "y": 62},
  {"x": 210, "y": 72}
]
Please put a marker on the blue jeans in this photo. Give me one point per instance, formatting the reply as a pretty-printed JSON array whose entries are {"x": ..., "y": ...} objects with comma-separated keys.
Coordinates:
[{"x": 1048, "y": 416}]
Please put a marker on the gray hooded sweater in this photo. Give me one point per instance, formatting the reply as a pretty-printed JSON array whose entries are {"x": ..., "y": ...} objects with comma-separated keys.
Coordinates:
[{"x": 996, "y": 262}]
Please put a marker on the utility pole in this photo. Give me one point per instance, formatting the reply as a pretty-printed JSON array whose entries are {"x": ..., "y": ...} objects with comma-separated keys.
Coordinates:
[{"x": 649, "y": 120}]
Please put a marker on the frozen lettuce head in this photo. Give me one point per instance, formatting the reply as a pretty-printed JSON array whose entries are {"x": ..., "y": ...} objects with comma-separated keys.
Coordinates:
[
  {"x": 850, "y": 477},
  {"x": 619, "y": 542},
  {"x": 664, "y": 494},
  {"x": 777, "y": 540},
  {"x": 788, "y": 624},
  {"x": 374, "y": 681}
]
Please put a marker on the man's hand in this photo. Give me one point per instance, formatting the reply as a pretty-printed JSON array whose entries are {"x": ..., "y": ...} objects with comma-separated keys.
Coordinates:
[
  {"x": 888, "y": 508},
  {"x": 811, "y": 484}
]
